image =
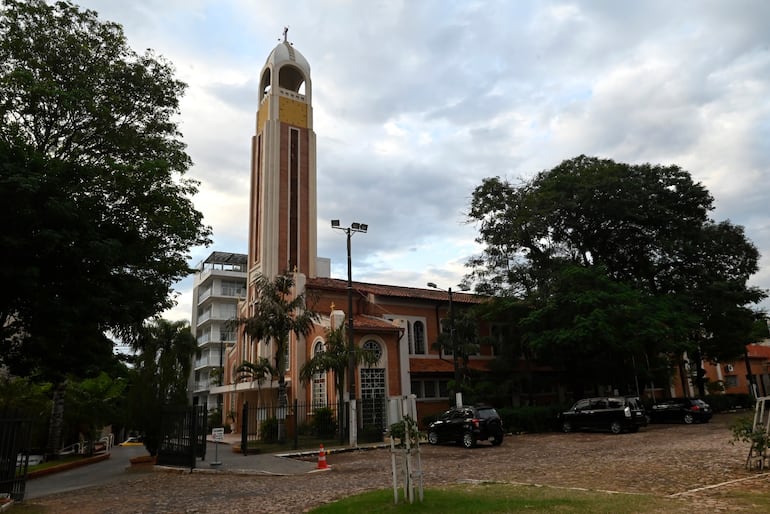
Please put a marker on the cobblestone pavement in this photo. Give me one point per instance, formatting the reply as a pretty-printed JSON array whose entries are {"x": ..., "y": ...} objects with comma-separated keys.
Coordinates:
[{"x": 681, "y": 461}]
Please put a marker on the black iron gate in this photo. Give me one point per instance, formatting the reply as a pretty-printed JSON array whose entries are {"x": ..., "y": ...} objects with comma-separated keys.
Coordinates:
[
  {"x": 183, "y": 436},
  {"x": 14, "y": 456}
]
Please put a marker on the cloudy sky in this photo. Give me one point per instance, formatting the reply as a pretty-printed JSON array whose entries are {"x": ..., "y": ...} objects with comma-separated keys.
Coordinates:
[{"x": 415, "y": 102}]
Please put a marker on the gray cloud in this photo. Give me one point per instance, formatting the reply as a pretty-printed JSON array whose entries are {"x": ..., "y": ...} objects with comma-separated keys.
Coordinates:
[{"x": 416, "y": 102}]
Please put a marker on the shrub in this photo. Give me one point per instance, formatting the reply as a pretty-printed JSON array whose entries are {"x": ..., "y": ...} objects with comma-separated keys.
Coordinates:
[
  {"x": 370, "y": 434},
  {"x": 324, "y": 423},
  {"x": 427, "y": 420},
  {"x": 743, "y": 431},
  {"x": 725, "y": 402},
  {"x": 529, "y": 419},
  {"x": 214, "y": 419},
  {"x": 268, "y": 430},
  {"x": 406, "y": 426}
]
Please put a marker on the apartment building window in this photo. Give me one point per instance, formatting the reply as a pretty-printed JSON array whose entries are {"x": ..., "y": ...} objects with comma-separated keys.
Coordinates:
[
  {"x": 228, "y": 311},
  {"x": 731, "y": 381},
  {"x": 226, "y": 333},
  {"x": 233, "y": 288}
]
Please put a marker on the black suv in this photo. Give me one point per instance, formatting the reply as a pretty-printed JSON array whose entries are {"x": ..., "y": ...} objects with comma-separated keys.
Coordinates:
[
  {"x": 686, "y": 410},
  {"x": 613, "y": 413},
  {"x": 467, "y": 425}
]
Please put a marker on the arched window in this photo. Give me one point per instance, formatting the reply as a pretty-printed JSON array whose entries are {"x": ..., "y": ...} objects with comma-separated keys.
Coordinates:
[
  {"x": 319, "y": 380},
  {"x": 419, "y": 338},
  {"x": 374, "y": 347}
]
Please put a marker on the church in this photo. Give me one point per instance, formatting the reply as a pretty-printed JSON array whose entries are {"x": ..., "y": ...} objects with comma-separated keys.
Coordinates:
[{"x": 398, "y": 324}]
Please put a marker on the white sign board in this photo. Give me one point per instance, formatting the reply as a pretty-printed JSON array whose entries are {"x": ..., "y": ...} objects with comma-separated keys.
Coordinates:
[{"x": 218, "y": 434}]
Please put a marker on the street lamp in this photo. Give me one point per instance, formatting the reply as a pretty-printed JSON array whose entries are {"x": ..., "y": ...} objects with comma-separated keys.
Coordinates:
[
  {"x": 452, "y": 342},
  {"x": 349, "y": 231}
]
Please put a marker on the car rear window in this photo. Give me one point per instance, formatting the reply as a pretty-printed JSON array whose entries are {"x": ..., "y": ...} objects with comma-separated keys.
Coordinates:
[{"x": 488, "y": 413}]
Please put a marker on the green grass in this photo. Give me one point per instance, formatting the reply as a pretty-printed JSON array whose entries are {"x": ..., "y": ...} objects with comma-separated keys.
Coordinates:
[
  {"x": 750, "y": 501},
  {"x": 55, "y": 462},
  {"x": 303, "y": 443},
  {"x": 500, "y": 498}
]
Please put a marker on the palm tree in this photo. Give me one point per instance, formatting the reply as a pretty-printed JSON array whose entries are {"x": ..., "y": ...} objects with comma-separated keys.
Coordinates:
[
  {"x": 255, "y": 372},
  {"x": 162, "y": 363},
  {"x": 334, "y": 358},
  {"x": 277, "y": 312}
]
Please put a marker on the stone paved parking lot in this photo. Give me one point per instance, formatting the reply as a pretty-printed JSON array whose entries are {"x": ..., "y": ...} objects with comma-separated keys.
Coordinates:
[{"x": 695, "y": 463}]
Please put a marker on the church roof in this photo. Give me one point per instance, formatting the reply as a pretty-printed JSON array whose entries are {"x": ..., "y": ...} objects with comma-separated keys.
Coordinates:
[
  {"x": 372, "y": 323},
  {"x": 417, "y": 365},
  {"x": 758, "y": 351},
  {"x": 334, "y": 284},
  {"x": 285, "y": 53}
]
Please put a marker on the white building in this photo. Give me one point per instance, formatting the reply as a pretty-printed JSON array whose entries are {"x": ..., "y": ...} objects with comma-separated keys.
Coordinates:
[{"x": 220, "y": 282}]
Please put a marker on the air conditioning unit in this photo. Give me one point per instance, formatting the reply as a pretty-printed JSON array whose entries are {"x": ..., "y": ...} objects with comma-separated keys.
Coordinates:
[{"x": 729, "y": 368}]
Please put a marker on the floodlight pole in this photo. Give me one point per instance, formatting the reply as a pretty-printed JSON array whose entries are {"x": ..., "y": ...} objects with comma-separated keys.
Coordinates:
[
  {"x": 452, "y": 340},
  {"x": 354, "y": 227}
]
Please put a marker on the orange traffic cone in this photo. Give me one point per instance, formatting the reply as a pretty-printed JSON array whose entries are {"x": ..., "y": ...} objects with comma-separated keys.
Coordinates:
[{"x": 322, "y": 459}]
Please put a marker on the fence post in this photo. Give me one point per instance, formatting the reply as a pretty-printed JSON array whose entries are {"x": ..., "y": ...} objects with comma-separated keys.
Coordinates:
[
  {"x": 296, "y": 424},
  {"x": 191, "y": 413},
  {"x": 245, "y": 429}
]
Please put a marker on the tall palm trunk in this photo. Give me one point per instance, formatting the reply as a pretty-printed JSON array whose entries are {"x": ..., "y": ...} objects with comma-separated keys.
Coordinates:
[{"x": 283, "y": 403}]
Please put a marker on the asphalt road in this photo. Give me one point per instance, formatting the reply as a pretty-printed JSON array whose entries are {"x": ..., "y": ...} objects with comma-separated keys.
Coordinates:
[{"x": 114, "y": 468}]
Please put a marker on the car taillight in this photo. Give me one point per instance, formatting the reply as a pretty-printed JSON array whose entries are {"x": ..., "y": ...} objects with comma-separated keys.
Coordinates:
[
  {"x": 475, "y": 422},
  {"x": 695, "y": 407}
]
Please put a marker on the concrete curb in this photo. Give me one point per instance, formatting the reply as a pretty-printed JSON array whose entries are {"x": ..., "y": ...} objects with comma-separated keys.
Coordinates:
[{"x": 67, "y": 466}]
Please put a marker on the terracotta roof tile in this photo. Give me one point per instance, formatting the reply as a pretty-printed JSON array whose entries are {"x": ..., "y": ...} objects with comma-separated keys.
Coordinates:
[
  {"x": 442, "y": 366},
  {"x": 758, "y": 351},
  {"x": 334, "y": 284},
  {"x": 362, "y": 321}
]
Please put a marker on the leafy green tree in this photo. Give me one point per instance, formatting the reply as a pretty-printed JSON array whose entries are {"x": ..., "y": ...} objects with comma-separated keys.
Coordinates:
[
  {"x": 460, "y": 334},
  {"x": 93, "y": 403},
  {"x": 278, "y": 312},
  {"x": 25, "y": 398},
  {"x": 161, "y": 367},
  {"x": 335, "y": 358},
  {"x": 654, "y": 261},
  {"x": 97, "y": 214}
]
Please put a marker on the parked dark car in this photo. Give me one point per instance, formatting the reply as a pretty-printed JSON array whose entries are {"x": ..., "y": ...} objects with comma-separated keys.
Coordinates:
[
  {"x": 681, "y": 410},
  {"x": 613, "y": 413},
  {"x": 467, "y": 426}
]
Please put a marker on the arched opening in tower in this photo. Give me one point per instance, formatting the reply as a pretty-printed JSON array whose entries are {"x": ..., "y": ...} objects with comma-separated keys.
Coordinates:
[{"x": 291, "y": 78}]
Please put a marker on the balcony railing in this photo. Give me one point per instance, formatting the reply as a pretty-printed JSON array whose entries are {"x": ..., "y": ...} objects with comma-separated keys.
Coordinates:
[{"x": 211, "y": 360}]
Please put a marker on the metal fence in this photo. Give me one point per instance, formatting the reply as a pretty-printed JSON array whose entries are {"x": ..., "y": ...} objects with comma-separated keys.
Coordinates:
[
  {"x": 183, "y": 436},
  {"x": 14, "y": 456},
  {"x": 308, "y": 424}
]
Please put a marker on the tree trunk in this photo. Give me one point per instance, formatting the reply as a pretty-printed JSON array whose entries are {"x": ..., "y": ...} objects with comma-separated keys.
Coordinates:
[
  {"x": 283, "y": 403},
  {"x": 683, "y": 377},
  {"x": 56, "y": 425}
]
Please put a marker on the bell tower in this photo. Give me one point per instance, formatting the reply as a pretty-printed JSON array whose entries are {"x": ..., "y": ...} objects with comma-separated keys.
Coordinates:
[{"x": 282, "y": 226}]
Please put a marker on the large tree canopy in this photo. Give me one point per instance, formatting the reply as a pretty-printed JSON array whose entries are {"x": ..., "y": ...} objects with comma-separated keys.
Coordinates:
[
  {"x": 97, "y": 214},
  {"x": 657, "y": 273}
]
